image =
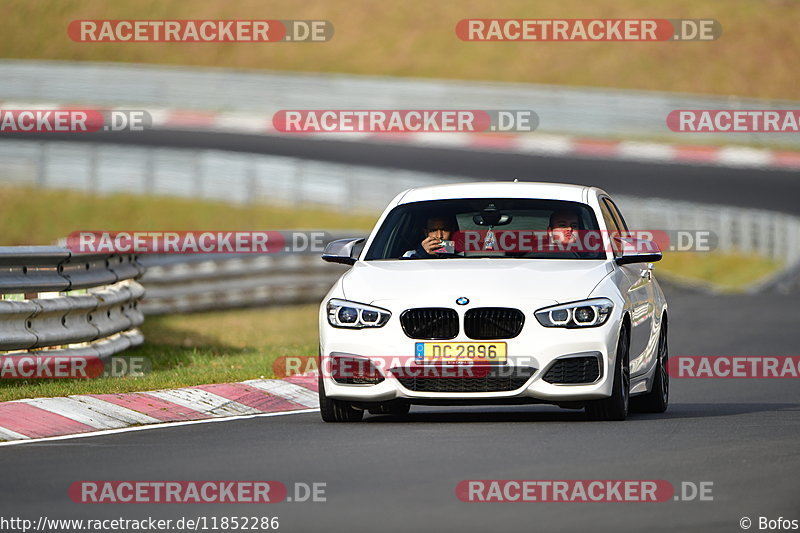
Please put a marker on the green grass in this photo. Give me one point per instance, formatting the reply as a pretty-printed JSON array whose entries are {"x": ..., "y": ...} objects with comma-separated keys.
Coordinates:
[
  {"x": 755, "y": 56},
  {"x": 728, "y": 272},
  {"x": 219, "y": 347},
  {"x": 41, "y": 216}
]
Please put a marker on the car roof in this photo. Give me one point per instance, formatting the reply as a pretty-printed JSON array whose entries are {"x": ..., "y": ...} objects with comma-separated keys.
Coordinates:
[{"x": 498, "y": 189}]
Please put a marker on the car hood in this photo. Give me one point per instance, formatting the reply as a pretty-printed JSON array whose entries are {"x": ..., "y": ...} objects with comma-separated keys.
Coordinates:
[{"x": 484, "y": 281}]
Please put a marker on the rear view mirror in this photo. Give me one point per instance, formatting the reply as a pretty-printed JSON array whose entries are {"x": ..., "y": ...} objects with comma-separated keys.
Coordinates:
[{"x": 491, "y": 217}]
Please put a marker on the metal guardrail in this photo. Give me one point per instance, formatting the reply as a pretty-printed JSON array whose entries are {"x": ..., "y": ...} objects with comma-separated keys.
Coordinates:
[
  {"x": 217, "y": 175},
  {"x": 181, "y": 284},
  {"x": 567, "y": 110},
  {"x": 264, "y": 179},
  {"x": 735, "y": 229},
  {"x": 68, "y": 304}
]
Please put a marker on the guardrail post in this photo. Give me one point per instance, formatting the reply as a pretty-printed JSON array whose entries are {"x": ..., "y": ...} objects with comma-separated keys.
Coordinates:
[
  {"x": 746, "y": 232},
  {"x": 765, "y": 228},
  {"x": 94, "y": 181},
  {"x": 297, "y": 182},
  {"x": 149, "y": 182},
  {"x": 724, "y": 230},
  {"x": 791, "y": 241},
  {"x": 251, "y": 183},
  {"x": 199, "y": 174},
  {"x": 41, "y": 164}
]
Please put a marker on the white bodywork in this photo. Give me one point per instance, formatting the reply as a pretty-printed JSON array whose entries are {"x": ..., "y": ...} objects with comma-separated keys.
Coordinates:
[{"x": 524, "y": 284}]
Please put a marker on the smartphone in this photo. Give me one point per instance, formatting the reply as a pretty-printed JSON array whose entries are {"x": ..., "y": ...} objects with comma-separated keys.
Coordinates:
[{"x": 448, "y": 247}]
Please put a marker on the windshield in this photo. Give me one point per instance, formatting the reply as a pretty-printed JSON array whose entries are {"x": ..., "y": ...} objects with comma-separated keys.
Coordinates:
[{"x": 489, "y": 228}]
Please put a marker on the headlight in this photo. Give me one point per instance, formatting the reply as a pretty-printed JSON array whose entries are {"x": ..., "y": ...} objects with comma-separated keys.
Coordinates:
[
  {"x": 584, "y": 314},
  {"x": 344, "y": 314}
]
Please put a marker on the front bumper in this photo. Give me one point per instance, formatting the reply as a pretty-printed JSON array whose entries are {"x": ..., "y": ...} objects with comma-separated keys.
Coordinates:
[{"x": 536, "y": 347}]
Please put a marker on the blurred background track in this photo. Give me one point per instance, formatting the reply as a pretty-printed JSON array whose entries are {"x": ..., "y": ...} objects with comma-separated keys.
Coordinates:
[{"x": 774, "y": 189}]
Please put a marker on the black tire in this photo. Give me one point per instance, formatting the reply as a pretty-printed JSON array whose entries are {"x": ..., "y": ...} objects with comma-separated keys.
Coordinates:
[
  {"x": 616, "y": 406},
  {"x": 394, "y": 408},
  {"x": 336, "y": 410},
  {"x": 657, "y": 400}
]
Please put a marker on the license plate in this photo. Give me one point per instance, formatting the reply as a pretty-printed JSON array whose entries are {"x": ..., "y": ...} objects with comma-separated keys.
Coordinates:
[{"x": 460, "y": 352}]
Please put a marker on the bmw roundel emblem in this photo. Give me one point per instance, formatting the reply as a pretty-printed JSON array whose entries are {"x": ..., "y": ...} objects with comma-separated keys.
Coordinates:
[{"x": 462, "y": 301}]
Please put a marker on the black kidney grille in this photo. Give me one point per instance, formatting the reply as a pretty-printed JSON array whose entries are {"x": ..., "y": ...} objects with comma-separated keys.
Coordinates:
[
  {"x": 495, "y": 381},
  {"x": 574, "y": 370},
  {"x": 433, "y": 323},
  {"x": 486, "y": 323}
]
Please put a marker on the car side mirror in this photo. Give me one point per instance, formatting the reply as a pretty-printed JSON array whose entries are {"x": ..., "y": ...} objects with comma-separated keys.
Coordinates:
[
  {"x": 341, "y": 251},
  {"x": 638, "y": 251}
]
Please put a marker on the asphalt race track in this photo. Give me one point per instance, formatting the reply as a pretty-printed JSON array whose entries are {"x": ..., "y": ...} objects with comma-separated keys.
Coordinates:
[
  {"x": 400, "y": 474},
  {"x": 391, "y": 474},
  {"x": 773, "y": 189}
]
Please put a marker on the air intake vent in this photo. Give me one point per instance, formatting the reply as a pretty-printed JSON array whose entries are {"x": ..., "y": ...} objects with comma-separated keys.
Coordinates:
[{"x": 573, "y": 370}]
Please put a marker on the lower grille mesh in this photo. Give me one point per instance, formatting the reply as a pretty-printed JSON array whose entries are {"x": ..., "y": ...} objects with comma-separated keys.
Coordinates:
[
  {"x": 493, "y": 380},
  {"x": 574, "y": 370}
]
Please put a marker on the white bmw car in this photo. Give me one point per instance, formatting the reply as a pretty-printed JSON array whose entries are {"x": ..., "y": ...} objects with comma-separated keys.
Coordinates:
[{"x": 495, "y": 293}]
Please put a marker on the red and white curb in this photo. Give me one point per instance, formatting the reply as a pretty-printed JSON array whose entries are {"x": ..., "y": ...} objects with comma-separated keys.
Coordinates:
[
  {"x": 527, "y": 143},
  {"x": 51, "y": 417}
]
